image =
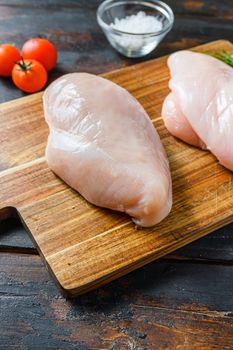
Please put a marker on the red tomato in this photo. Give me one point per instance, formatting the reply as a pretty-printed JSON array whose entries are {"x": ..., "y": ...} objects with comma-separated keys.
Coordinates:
[
  {"x": 9, "y": 54},
  {"x": 29, "y": 75},
  {"x": 40, "y": 50}
]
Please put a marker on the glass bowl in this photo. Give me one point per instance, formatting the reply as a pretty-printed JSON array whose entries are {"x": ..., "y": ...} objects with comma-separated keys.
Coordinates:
[{"x": 135, "y": 42}]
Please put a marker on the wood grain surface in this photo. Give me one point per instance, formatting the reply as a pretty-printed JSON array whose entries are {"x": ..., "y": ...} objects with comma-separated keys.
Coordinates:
[{"x": 85, "y": 246}]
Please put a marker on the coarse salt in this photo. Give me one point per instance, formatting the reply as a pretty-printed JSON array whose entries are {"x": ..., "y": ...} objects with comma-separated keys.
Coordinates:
[{"x": 140, "y": 23}]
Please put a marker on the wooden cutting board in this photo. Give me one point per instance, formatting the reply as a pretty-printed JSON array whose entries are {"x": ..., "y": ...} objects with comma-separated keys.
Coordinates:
[{"x": 85, "y": 246}]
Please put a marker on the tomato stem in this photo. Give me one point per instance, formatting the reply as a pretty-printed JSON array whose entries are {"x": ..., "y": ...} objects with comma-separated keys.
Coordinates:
[{"x": 24, "y": 66}]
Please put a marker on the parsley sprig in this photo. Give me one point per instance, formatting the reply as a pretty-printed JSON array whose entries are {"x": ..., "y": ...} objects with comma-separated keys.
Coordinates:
[{"x": 223, "y": 56}]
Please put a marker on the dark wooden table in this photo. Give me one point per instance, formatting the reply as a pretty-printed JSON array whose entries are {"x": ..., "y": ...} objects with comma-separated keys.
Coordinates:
[{"x": 183, "y": 301}]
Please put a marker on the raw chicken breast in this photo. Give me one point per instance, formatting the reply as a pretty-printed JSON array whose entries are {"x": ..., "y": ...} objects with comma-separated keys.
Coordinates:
[
  {"x": 199, "y": 109},
  {"x": 103, "y": 144}
]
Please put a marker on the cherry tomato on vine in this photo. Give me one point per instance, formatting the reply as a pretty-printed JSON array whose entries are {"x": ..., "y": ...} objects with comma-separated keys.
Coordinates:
[
  {"x": 9, "y": 54},
  {"x": 40, "y": 50},
  {"x": 29, "y": 75}
]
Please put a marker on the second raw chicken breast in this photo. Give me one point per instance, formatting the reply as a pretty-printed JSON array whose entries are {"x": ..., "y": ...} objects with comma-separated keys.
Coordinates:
[
  {"x": 103, "y": 144},
  {"x": 199, "y": 108}
]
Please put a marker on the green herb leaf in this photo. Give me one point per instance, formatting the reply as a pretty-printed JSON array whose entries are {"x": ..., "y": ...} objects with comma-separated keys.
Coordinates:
[{"x": 222, "y": 56}]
